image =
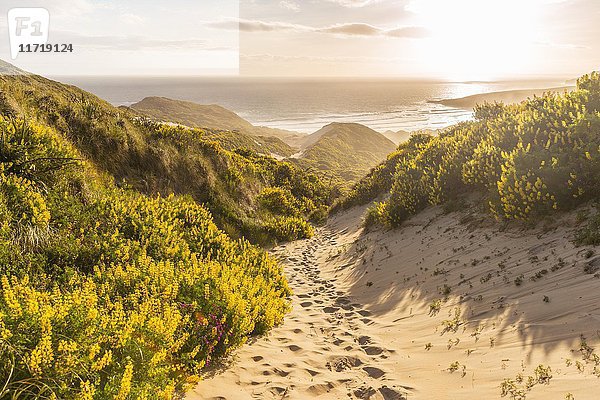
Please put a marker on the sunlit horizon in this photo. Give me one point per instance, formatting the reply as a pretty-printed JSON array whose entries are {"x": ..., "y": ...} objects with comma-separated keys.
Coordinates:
[{"x": 435, "y": 40}]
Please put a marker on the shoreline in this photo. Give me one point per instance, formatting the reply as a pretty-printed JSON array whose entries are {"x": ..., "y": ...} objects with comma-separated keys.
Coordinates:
[{"x": 505, "y": 96}]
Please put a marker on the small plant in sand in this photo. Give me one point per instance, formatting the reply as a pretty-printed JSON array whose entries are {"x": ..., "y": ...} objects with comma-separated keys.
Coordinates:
[
  {"x": 585, "y": 349},
  {"x": 452, "y": 325},
  {"x": 543, "y": 374},
  {"x": 518, "y": 388},
  {"x": 455, "y": 366},
  {"x": 511, "y": 389},
  {"x": 435, "y": 307},
  {"x": 428, "y": 346},
  {"x": 589, "y": 253},
  {"x": 568, "y": 362},
  {"x": 519, "y": 280},
  {"x": 477, "y": 332},
  {"x": 445, "y": 290},
  {"x": 539, "y": 275}
]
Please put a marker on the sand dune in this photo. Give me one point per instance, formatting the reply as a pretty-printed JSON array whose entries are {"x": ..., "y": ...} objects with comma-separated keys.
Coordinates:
[
  {"x": 507, "y": 97},
  {"x": 443, "y": 308}
]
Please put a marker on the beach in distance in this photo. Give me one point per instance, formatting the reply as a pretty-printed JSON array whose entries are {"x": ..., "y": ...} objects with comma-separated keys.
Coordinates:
[{"x": 306, "y": 105}]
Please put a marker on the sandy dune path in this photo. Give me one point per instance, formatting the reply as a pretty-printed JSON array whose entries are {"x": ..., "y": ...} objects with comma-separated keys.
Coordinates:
[
  {"x": 324, "y": 348},
  {"x": 448, "y": 307}
]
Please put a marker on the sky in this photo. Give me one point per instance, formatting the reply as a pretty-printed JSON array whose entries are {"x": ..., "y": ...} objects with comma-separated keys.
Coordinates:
[
  {"x": 459, "y": 40},
  {"x": 132, "y": 37}
]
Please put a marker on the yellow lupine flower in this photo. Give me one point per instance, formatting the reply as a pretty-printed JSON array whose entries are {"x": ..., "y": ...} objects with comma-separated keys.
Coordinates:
[{"x": 125, "y": 387}]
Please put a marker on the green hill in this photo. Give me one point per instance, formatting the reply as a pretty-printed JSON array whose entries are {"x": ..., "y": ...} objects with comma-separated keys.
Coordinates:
[
  {"x": 526, "y": 161},
  {"x": 153, "y": 158},
  {"x": 215, "y": 117},
  {"x": 344, "y": 153},
  {"x": 397, "y": 137}
]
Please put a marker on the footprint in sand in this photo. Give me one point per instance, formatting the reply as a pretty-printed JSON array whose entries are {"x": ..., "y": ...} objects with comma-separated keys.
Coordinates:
[
  {"x": 373, "y": 350},
  {"x": 278, "y": 391},
  {"x": 306, "y": 304},
  {"x": 344, "y": 363},
  {"x": 294, "y": 348},
  {"x": 391, "y": 394},
  {"x": 364, "y": 340},
  {"x": 364, "y": 392},
  {"x": 373, "y": 372},
  {"x": 281, "y": 372},
  {"x": 318, "y": 390}
]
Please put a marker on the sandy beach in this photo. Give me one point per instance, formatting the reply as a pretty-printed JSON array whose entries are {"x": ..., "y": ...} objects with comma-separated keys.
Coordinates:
[
  {"x": 447, "y": 307},
  {"x": 506, "y": 97}
]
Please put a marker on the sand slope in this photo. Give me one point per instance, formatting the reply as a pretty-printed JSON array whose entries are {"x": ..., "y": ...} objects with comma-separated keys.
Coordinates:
[{"x": 443, "y": 308}]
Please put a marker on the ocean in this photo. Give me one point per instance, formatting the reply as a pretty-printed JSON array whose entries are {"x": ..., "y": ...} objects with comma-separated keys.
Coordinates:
[{"x": 306, "y": 105}]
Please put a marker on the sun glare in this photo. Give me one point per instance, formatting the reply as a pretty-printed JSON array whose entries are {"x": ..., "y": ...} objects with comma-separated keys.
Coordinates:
[{"x": 478, "y": 40}]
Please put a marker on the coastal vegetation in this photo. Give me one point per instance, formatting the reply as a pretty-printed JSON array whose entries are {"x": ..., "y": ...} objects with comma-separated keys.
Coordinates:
[
  {"x": 527, "y": 160},
  {"x": 126, "y": 263},
  {"x": 109, "y": 293},
  {"x": 215, "y": 168}
]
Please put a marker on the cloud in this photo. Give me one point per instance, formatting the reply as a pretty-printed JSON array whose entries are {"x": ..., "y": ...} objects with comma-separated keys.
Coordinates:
[
  {"x": 357, "y": 29},
  {"x": 326, "y": 59},
  {"x": 349, "y": 29},
  {"x": 354, "y": 3},
  {"x": 255, "y": 26},
  {"x": 131, "y": 19},
  {"x": 561, "y": 45},
  {"x": 290, "y": 5},
  {"x": 409, "y": 32},
  {"x": 131, "y": 43}
]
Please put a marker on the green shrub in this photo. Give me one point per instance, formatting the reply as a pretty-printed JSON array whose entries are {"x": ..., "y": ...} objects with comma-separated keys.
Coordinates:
[
  {"x": 528, "y": 159},
  {"x": 278, "y": 201},
  {"x": 128, "y": 296},
  {"x": 289, "y": 228}
]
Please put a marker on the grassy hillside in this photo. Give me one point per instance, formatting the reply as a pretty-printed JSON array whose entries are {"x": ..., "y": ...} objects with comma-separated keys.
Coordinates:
[
  {"x": 217, "y": 118},
  {"x": 156, "y": 158},
  {"x": 397, "y": 137},
  {"x": 379, "y": 180},
  {"x": 344, "y": 153},
  {"x": 109, "y": 293},
  {"x": 527, "y": 160},
  {"x": 115, "y": 282}
]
